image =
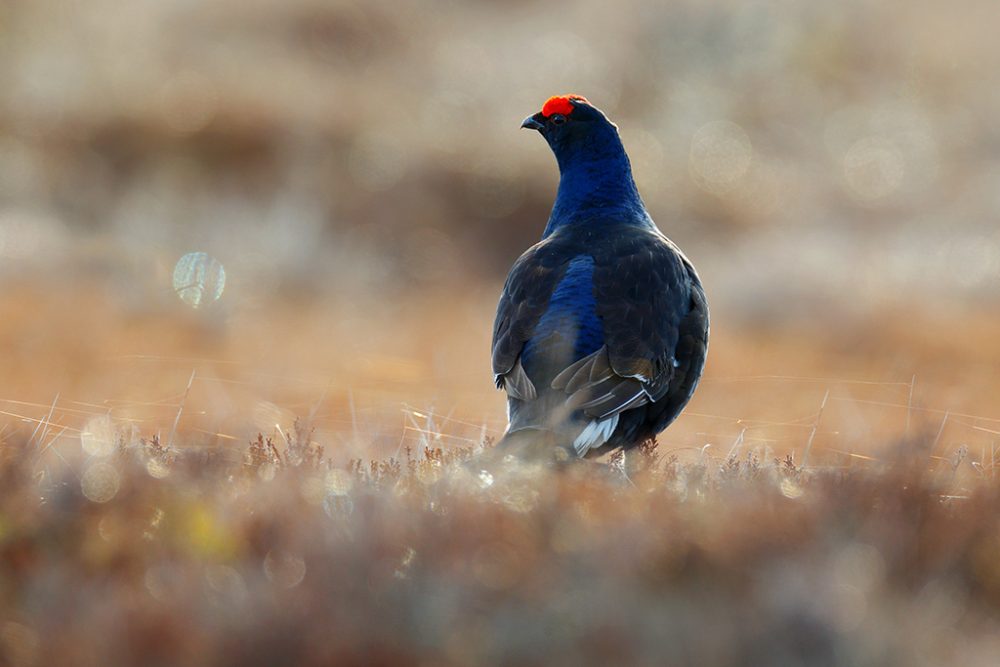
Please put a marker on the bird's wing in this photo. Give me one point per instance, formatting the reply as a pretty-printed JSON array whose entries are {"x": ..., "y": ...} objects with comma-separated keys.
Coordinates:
[
  {"x": 655, "y": 321},
  {"x": 653, "y": 314},
  {"x": 524, "y": 300}
]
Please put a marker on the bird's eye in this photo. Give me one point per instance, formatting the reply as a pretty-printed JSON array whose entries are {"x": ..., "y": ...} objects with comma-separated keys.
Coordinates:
[{"x": 557, "y": 119}]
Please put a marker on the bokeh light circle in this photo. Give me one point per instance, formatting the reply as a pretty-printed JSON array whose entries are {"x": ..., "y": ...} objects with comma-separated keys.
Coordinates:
[
  {"x": 158, "y": 467},
  {"x": 100, "y": 482},
  {"x": 199, "y": 279},
  {"x": 284, "y": 569},
  {"x": 98, "y": 436},
  {"x": 873, "y": 168}
]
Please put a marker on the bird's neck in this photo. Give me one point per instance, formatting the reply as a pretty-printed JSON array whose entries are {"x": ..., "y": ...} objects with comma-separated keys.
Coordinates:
[{"x": 596, "y": 184}]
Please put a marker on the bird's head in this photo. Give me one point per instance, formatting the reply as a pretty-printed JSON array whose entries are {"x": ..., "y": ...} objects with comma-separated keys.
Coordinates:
[
  {"x": 594, "y": 170},
  {"x": 570, "y": 123}
]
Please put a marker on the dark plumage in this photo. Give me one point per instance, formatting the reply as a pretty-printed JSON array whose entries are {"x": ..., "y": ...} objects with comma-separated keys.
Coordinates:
[{"x": 602, "y": 328}]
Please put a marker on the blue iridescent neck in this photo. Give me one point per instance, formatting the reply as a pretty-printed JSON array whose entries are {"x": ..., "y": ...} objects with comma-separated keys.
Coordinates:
[{"x": 595, "y": 182}]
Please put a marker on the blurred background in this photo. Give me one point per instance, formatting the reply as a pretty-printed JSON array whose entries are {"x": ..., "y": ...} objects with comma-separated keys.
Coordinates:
[{"x": 218, "y": 217}]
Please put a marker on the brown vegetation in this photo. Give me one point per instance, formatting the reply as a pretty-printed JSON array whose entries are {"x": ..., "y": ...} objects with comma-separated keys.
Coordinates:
[{"x": 161, "y": 556}]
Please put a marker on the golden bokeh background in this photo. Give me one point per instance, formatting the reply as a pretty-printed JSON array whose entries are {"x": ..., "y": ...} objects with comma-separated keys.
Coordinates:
[
  {"x": 250, "y": 252},
  {"x": 355, "y": 175}
]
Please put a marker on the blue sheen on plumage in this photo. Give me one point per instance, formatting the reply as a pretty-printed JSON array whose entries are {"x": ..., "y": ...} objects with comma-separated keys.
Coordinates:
[
  {"x": 572, "y": 312},
  {"x": 595, "y": 186},
  {"x": 595, "y": 181}
]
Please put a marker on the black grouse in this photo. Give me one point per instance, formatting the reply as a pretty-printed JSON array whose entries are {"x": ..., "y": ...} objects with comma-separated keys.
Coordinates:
[{"x": 602, "y": 328}]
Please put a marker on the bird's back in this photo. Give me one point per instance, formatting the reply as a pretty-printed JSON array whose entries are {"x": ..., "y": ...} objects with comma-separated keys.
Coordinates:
[
  {"x": 602, "y": 327},
  {"x": 619, "y": 294}
]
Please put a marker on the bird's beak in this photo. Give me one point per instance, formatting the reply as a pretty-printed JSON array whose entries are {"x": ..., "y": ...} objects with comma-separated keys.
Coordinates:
[{"x": 536, "y": 122}]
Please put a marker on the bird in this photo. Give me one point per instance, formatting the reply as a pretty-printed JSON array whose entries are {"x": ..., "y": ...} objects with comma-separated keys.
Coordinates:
[{"x": 602, "y": 327}]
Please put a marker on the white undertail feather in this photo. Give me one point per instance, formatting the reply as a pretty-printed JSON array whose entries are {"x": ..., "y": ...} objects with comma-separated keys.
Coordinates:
[{"x": 595, "y": 434}]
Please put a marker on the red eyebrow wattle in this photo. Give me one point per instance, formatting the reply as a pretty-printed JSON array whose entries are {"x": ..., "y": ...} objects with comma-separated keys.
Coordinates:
[{"x": 561, "y": 104}]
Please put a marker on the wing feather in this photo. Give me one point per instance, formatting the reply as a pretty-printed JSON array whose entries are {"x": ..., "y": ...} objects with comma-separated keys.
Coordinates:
[
  {"x": 518, "y": 384},
  {"x": 653, "y": 315},
  {"x": 562, "y": 380},
  {"x": 525, "y": 297}
]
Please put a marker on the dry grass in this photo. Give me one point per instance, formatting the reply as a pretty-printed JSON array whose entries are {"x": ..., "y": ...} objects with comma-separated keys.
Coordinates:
[
  {"x": 161, "y": 556},
  {"x": 348, "y": 533}
]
